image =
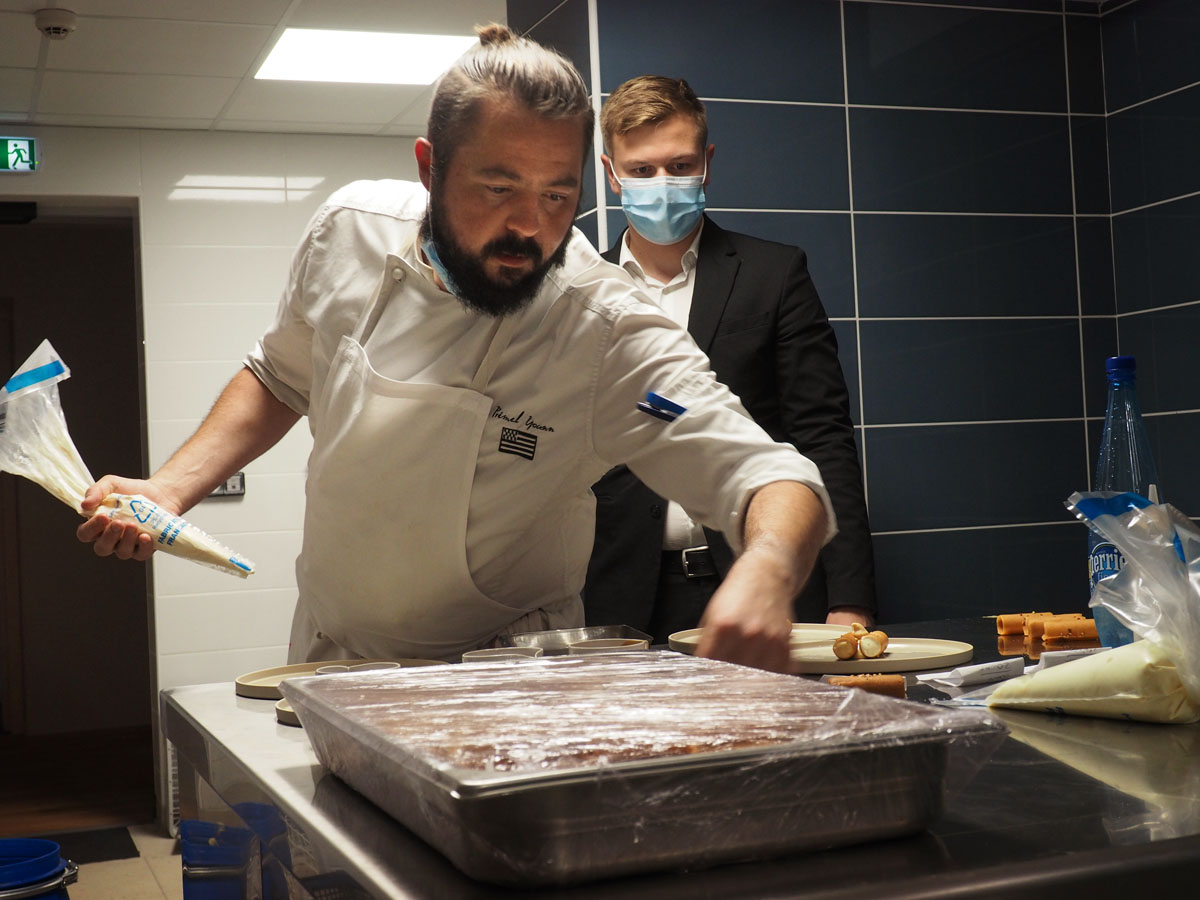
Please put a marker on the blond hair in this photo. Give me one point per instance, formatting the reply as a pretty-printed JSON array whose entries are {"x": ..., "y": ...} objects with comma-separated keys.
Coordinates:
[
  {"x": 648, "y": 100},
  {"x": 505, "y": 66}
]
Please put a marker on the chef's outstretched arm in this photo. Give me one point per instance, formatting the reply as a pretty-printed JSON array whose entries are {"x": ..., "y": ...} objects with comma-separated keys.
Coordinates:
[
  {"x": 245, "y": 422},
  {"x": 748, "y": 619}
]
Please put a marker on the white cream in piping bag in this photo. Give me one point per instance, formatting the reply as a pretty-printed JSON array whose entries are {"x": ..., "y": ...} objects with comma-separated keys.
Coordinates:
[
  {"x": 35, "y": 444},
  {"x": 174, "y": 534}
]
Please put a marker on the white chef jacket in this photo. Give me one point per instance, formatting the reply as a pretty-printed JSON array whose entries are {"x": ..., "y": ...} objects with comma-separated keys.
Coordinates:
[{"x": 585, "y": 350}]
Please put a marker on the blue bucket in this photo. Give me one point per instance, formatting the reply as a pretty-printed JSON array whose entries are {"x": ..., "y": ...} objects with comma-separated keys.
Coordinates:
[{"x": 31, "y": 867}]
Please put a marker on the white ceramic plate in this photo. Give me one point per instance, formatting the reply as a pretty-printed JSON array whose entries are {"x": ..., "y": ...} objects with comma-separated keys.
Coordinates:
[
  {"x": 264, "y": 684},
  {"x": 812, "y": 651},
  {"x": 802, "y": 632},
  {"x": 902, "y": 655}
]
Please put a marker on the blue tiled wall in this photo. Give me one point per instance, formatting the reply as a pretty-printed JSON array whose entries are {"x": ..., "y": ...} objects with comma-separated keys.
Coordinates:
[
  {"x": 1152, "y": 87},
  {"x": 994, "y": 197}
]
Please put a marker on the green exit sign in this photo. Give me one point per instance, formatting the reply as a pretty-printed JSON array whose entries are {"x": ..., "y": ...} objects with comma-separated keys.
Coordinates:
[{"x": 19, "y": 154}]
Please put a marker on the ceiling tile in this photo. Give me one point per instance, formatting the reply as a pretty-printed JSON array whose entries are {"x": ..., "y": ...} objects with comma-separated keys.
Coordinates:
[
  {"x": 19, "y": 40},
  {"x": 134, "y": 95},
  {"x": 159, "y": 47},
  {"x": 254, "y": 12},
  {"x": 178, "y": 64},
  {"x": 16, "y": 90},
  {"x": 442, "y": 17},
  {"x": 82, "y": 120},
  {"x": 296, "y": 127},
  {"x": 306, "y": 101}
]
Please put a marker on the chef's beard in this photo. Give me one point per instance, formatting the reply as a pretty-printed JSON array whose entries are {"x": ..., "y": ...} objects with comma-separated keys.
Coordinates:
[{"x": 475, "y": 288}]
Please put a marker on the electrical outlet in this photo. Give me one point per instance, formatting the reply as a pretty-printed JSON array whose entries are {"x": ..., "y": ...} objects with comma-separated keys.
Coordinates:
[{"x": 234, "y": 486}]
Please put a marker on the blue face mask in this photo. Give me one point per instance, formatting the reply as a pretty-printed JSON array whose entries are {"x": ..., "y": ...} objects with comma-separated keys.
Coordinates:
[
  {"x": 435, "y": 263},
  {"x": 664, "y": 209}
]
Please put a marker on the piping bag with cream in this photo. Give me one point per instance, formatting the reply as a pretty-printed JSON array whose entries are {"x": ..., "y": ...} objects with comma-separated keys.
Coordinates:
[{"x": 35, "y": 444}]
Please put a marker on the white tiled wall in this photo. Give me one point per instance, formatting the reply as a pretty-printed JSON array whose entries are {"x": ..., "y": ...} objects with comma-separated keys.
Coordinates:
[{"x": 219, "y": 214}]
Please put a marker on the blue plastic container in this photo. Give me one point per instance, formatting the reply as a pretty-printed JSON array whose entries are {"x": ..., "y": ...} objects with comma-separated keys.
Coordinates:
[
  {"x": 217, "y": 860},
  {"x": 32, "y": 867}
]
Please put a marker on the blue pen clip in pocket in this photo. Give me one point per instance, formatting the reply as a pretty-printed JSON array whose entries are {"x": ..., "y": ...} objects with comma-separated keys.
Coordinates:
[
  {"x": 660, "y": 407},
  {"x": 655, "y": 411},
  {"x": 660, "y": 402}
]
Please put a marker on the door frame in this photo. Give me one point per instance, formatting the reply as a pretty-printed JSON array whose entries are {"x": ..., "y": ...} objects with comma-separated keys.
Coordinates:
[{"x": 12, "y": 659}]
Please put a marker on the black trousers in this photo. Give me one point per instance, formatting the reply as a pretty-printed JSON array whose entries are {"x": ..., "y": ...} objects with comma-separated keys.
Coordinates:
[{"x": 680, "y": 601}]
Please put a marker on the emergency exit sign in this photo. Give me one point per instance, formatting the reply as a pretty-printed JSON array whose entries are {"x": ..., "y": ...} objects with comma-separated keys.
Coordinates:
[{"x": 19, "y": 154}]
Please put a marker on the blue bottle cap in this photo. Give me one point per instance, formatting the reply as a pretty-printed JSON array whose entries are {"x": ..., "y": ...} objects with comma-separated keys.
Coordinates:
[{"x": 1122, "y": 364}]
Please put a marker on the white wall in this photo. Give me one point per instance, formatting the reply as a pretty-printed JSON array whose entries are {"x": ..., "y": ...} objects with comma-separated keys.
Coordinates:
[{"x": 219, "y": 216}]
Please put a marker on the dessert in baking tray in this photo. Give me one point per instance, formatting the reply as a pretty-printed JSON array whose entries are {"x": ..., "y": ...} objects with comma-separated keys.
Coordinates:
[
  {"x": 565, "y": 768},
  {"x": 554, "y": 714}
]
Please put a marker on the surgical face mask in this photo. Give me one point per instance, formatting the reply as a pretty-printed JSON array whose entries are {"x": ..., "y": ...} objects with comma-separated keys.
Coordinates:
[
  {"x": 664, "y": 209},
  {"x": 435, "y": 262}
]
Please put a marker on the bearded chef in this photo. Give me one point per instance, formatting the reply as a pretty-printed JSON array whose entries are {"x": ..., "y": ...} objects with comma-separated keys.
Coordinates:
[{"x": 469, "y": 366}]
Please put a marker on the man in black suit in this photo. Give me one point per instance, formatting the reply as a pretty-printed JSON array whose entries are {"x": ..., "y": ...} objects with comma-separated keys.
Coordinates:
[{"x": 752, "y": 307}]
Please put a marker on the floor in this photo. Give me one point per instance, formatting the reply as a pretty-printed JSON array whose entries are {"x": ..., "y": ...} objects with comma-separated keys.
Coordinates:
[
  {"x": 75, "y": 787},
  {"x": 76, "y": 781},
  {"x": 156, "y": 874}
]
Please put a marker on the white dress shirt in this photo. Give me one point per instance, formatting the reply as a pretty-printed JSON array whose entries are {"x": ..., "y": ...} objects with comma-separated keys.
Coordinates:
[{"x": 675, "y": 298}]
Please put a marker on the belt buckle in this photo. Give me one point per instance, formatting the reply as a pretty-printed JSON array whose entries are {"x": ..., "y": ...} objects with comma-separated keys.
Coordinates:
[{"x": 704, "y": 569}]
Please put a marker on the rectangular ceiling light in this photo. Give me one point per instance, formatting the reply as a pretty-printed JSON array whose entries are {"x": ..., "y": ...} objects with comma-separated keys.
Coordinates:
[{"x": 362, "y": 57}]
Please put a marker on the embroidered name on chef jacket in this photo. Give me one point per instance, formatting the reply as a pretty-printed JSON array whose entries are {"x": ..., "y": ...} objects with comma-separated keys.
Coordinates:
[{"x": 519, "y": 443}]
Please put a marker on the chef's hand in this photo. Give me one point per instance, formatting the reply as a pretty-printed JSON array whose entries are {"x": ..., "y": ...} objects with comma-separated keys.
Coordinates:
[
  {"x": 119, "y": 539},
  {"x": 848, "y": 615},
  {"x": 748, "y": 619}
]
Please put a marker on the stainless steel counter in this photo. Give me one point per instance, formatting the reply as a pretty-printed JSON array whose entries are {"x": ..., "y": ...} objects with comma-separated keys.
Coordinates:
[{"x": 1075, "y": 805}]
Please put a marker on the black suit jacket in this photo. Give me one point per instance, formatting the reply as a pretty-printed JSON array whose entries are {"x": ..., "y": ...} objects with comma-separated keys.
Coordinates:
[{"x": 756, "y": 313}]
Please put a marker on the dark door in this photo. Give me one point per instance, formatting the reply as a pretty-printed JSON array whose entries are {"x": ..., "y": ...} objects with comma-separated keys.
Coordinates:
[{"x": 76, "y": 747}]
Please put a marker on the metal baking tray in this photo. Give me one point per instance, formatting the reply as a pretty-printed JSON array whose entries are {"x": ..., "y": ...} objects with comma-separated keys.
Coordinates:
[
  {"x": 567, "y": 769},
  {"x": 559, "y": 640}
]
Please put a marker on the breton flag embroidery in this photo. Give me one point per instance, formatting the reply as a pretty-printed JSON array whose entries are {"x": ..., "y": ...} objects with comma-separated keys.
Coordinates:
[{"x": 520, "y": 443}]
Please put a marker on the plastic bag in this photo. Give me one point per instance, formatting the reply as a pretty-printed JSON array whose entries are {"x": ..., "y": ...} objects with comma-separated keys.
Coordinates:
[
  {"x": 35, "y": 444},
  {"x": 1157, "y": 593}
]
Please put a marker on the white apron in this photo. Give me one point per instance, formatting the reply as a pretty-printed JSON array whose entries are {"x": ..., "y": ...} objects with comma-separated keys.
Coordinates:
[{"x": 383, "y": 570}]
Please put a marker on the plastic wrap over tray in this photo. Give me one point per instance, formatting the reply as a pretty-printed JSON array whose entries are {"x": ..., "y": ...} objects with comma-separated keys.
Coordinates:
[{"x": 564, "y": 769}]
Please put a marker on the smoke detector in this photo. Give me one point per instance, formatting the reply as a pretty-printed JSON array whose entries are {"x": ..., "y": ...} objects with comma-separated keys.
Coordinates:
[{"x": 55, "y": 24}]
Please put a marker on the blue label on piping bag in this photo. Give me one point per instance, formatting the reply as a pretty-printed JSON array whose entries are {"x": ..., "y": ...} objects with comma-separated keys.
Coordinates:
[{"x": 33, "y": 376}]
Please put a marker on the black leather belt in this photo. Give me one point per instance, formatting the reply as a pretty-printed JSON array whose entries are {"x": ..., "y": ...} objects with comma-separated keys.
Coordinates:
[{"x": 694, "y": 562}]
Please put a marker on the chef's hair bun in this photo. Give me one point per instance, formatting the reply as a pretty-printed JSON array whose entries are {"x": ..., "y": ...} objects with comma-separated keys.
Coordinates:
[{"x": 494, "y": 33}]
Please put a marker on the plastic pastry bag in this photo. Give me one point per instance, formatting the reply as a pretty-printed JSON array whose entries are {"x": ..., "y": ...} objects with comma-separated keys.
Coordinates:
[
  {"x": 35, "y": 444},
  {"x": 1157, "y": 596}
]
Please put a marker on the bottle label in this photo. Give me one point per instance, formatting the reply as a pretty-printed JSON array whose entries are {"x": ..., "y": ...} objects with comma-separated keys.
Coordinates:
[{"x": 1104, "y": 561}]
